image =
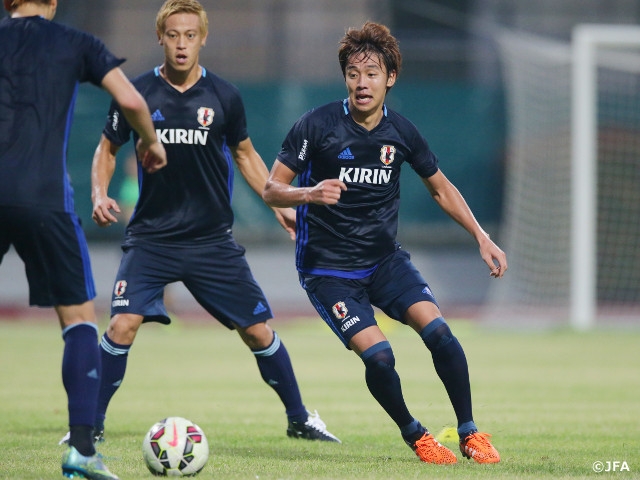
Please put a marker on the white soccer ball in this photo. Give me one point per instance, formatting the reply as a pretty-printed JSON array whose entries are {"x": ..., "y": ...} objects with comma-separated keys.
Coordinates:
[{"x": 175, "y": 447}]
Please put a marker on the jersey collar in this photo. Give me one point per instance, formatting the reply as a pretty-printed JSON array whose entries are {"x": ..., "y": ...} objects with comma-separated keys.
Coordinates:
[
  {"x": 345, "y": 106},
  {"x": 156, "y": 71}
]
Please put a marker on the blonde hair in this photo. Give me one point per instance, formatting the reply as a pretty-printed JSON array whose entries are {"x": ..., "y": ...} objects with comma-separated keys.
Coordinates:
[{"x": 171, "y": 7}]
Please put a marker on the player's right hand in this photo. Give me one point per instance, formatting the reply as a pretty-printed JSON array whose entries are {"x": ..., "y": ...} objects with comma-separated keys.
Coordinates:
[
  {"x": 102, "y": 211},
  {"x": 327, "y": 192},
  {"x": 152, "y": 157}
]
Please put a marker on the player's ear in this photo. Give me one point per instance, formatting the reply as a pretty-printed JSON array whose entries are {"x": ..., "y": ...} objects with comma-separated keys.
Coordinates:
[
  {"x": 53, "y": 6},
  {"x": 204, "y": 40},
  {"x": 391, "y": 78},
  {"x": 159, "y": 33}
]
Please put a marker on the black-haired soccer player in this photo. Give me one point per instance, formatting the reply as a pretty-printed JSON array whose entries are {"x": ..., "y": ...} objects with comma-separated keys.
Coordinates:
[
  {"x": 347, "y": 156},
  {"x": 181, "y": 226},
  {"x": 41, "y": 65}
]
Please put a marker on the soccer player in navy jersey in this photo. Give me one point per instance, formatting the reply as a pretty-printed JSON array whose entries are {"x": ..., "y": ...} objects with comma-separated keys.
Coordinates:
[
  {"x": 181, "y": 226},
  {"x": 347, "y": 156},
  {"x": 41, "y": 65}
]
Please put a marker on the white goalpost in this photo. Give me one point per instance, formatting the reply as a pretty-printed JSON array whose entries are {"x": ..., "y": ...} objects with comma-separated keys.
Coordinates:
[
  {"x": 586, "y": 40},
  {"x": 571, "y": 223}
]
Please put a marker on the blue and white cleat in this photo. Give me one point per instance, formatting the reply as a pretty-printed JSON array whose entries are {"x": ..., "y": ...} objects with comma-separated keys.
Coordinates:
[{"x": 75, "y": 465}]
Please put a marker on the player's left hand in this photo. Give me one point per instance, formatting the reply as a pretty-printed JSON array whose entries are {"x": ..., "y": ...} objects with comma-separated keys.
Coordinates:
[
  {"x": 287, "y": 218},
  {"x": 494, "y": 257}
]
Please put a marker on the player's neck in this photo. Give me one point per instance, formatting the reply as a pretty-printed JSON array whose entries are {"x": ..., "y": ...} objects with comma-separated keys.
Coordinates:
[
  {"x": 181, "y": 80},
  {"x": 34, "y": 9},
  {"x": 367, "y": 120}
]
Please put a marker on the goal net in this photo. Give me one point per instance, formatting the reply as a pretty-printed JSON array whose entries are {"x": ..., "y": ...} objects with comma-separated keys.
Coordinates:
[{"x": 571, "y": 222}]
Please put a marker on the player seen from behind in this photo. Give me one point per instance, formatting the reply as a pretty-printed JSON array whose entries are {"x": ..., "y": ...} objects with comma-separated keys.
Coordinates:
[{"x": 41, "y": 64}]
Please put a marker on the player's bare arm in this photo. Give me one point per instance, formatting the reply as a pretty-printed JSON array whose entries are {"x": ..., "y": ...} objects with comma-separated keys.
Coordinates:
[
  {"x": 255, "y": 172},
  {"x": 102, "y": 168},
  {"x": 279, "y": 192},
  {"x": 453, "y": 203},
  {"x": 151, "y": 152}
]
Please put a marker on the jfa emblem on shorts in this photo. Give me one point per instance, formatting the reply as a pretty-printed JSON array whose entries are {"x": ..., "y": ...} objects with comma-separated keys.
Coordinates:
[
  {"x": 205, "y": 116},
  {"x": 121, "y": 287},
  {"x": 340, "y": 310},
  {"x": 387, "y": 152}
]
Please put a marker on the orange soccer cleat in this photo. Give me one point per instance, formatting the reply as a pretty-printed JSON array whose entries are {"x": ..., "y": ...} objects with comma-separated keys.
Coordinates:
[
  {"x": 429, "y": 450},
  {"x": 477, "y": 446}
]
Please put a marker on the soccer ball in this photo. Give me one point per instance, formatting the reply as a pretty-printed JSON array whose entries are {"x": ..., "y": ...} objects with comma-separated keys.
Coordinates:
[{"x": 175, "y": 447}]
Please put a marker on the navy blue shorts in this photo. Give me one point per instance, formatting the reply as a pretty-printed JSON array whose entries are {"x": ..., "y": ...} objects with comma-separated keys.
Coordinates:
[
  {"x": 217, "y": 275},
  {"x": 346, "y": 304},
  {"x": 54, "y": 250}
]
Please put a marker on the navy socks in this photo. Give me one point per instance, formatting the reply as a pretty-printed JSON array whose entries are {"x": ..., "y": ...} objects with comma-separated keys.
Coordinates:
[
  {"x": 273, "y": 362},
  {"x": 451, "y": 366},
  {"x": 277, "y": 372},
  {"x": 81, "y": 379},
  {"x": 384, "y": 384},
  {"x": 114, "y": 364}
]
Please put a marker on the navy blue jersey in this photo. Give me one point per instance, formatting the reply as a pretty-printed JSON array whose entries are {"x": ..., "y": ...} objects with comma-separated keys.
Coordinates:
[
  {"x": 190, "y": 198},
  {"x": 41, "y": 64},
  {"x": 350, "y": 238}
]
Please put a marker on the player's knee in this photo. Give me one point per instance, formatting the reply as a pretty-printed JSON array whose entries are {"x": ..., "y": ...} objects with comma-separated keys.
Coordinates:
[
  {"x": 379, "y": 357},
  {"x": 437, "y": 335},
  {"x": 123, "y": 328},
  {"x": 258, "y": 336}
]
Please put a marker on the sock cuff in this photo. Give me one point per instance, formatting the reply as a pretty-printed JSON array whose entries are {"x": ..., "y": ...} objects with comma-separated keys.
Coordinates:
[
  {"x": 372, "y": 350},
  {"x": 271, "y": 349},
  {"x": 431, "y": 327},
  {"x": 466, "y": 428},
  {"x": 411, "y": 428},
  {"x": 68, "y": 328},
  {"x": 113, "y": 348}
]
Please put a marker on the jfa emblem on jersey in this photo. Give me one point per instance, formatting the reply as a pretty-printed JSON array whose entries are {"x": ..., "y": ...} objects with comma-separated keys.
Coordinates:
[
  {"x": 121, "y": 287},
  {"x": 340, "y": 310},
  {"x": 205, "y": 116},
  {"x": 387, "y": 152}
]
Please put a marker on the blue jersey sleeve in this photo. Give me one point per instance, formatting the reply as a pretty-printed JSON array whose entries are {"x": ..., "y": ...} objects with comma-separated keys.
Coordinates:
[
  {"x": 117, "y": 129},
  {"x": 423, "y": 161},
  {"x": 98, "y": 60},
  {"x": 421, "y": 158},
  {"x": 236, "y": 128},
  {"x": 295, "y": 151}
]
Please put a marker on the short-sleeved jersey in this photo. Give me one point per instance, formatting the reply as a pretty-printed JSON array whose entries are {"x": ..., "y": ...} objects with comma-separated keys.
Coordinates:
[
  {"x": 190, "y": 198},
  {"x": 350, "y": 238},
  {"x": 41, "y": 65}
]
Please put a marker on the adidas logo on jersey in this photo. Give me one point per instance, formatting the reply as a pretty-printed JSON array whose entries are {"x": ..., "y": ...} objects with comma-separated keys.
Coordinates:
[
  {"x": 346, "y": 154},
  {"x": 157, "y": 116}
]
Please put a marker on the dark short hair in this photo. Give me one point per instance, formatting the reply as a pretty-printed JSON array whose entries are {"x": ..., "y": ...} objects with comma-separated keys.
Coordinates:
[{"x": 372, "y": 38}]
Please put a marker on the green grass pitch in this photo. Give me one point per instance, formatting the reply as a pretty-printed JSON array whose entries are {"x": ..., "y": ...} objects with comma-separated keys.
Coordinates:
[{"x": 555, "y": 402}]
